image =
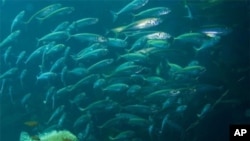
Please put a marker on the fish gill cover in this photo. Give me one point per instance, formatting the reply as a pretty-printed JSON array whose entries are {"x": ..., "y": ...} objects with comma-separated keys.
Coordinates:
[{"x": 127, "y": 70}]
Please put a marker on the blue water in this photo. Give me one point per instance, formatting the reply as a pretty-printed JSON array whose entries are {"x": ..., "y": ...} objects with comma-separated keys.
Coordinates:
[{"x": 227, "y": 65}]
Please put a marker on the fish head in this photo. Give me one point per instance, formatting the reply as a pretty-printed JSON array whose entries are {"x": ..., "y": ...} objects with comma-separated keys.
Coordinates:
[{"x": 164, "y": 11}]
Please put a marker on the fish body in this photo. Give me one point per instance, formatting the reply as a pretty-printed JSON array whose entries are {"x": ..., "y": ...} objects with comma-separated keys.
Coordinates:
[
  {"x": 204, "y": 110},
  {"x": 6, "y": 55},
  {"x": 82, "y": 120},
  {"x": 155, "y": 81},
  {"x": 139, "y": 109},
  {"x": 55, "y": 49},
  {"x": 133, "y": 90},
  {"x": 133, "y": 69},
  {"x": 76, "y": 25},
  {"x": 139, "y": 122},
  {"x": 158, "y": 43},
  {"x": 62, "y": 26},
  {"x": 9, "y": 73},
  {"x": 78, "y": 71},
  {"x": 122, "y": 136},
  {"x": 139, "y": 25},
  {"x": 158, "y": 36},
  {"x": 90, "y": 37},
  {"x": 113, "y": 122},
  {"x": 78, "y": 99},
  {"x": 153, "y": 12},
  {"x": 9, "y": 39},
  {"x": 193, "y": 38},
  {"x": 117, "y": 43},
  {"x": 45, "y": 11},
  {"x": 60, "y": 11},
  {"x": 99, "y": 105},
  {"x": 47, "y": 76},
  {"x": 99, "y": 83},
  {"x": 54, "y": 36},
  {"x": 17, "y": 20},
  {"x": 118, "y": 87},
  {"x": 135, "y": 4},
  {"x": 215, "y": 30},
  {"x": 92, "y": 55},
  {"x": 86, "y": 80},
  {"x": 100, "y": 66},
  {"x": 59, "y": 110},
  {"x": 57, "y": 65},
  {"x": 20, "y": 57}
]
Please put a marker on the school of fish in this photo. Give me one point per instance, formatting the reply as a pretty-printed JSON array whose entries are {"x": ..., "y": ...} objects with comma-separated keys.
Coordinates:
[{"x": 124, "y": 85}]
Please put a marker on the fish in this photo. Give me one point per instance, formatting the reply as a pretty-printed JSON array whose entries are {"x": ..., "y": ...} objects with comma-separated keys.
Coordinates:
[
  {"x": 139, "y": 123},
  {"x": 95, "y": 54},
  {"x": 20, "y": 57},
  {"x": 31, "y": 123},
  {"x": 86, "y": 80},
  {"x": 46, "y": 76},
  {"x": 59, "y": 110},
  {"x": 158, "y": 43},
  {"x": 167, "y": 122},
  {"x": 76, "y": 25},
  {"x": 113, "y": 122},
  {"x": 99, "y": 105},
  {"x": 79, "y": 99},
  {"x": 61, "y": 11},
  {"x": 17, "y": 20},
  {"x": 89, "y": 37},
  {"x": 116, "y": 43},
  {"x": 6, "y": 55},
  {"x": 100, "y": 83},
  {"x": 158, "y": 36},
  {"x": 78, "y": 71},
  {"x": 82, "y": 120},
  {"x": 138, "y": 25},
  {"x": 55, "y": 49},
  {"x": 215, "y": 30},
  {"x": 189, "y": 12},
  {"x": 44, "y": 12},
  {"x": 135, "y": 57},
  {"x": 10, "y": 38},
  {"x": 9, "y": 73},
  {"x": 57, "y": 65},
  {"x": 138, "y": 44},
  {"x": 204, "y": 110},
  {"x": 140, "y": 109},
  {"x": 62, "y": 26},
  {"x": 118, "y": 87},
  {"x": 133, "y": 90},
  {"x": 54, "y": 36},
  {"x": 51, "y": 92},
  {"x": 22, "y": 77},
  {"x": 153, "y": 12},
  {"x": 100, "y": 66},
  {"x": 133, "y": 5},
  {"x": 125, "y": 135}
]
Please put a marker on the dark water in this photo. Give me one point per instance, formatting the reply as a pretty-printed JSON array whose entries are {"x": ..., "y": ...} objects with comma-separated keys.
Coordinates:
[{"x": 227, "y": 65}]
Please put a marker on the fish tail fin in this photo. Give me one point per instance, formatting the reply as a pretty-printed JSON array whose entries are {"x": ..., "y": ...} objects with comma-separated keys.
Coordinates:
[{"x": 115, "y": 15}]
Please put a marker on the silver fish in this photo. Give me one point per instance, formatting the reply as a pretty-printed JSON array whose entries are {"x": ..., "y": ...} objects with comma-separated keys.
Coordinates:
[
  {"x": 135, "y": 4},
  {"x": 17, "y": 20},
  {"x": 9, "y": 39}
]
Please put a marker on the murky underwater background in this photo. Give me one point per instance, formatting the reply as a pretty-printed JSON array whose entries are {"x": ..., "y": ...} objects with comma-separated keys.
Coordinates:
[{"x": 188, "y": 82}]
